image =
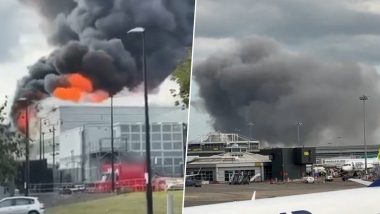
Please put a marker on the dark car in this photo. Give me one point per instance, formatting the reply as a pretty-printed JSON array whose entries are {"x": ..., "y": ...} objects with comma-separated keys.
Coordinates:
[{"x": 193, "y": 183}]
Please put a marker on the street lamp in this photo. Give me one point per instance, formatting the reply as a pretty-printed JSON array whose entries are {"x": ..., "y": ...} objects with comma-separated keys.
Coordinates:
[
  {"x": 24, "y": 101},
  {"x": 149, "y": 194},
  {"x": 112, "y": 150},
  {"x": 250, "y": 125},
  {"x": 43, "y": 145},
  {"x": 364, "y": 98},
  {"x": 299, "y": 124}
]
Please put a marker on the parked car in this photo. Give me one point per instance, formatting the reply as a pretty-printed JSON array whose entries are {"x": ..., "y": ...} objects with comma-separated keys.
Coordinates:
[
  {"x": 21, "y": 205},
  {"x": 193, "y": 183},
  {"x": 329, "y": 178},
  {"x": 309, "y": 180}
]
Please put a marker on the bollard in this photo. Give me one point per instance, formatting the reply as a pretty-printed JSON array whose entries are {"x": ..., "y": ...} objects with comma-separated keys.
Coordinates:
[{"x": 169, "y": 204}]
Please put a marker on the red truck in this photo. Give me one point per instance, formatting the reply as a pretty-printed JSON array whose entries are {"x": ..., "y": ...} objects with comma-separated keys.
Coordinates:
[{"x": 127, "y": 176}]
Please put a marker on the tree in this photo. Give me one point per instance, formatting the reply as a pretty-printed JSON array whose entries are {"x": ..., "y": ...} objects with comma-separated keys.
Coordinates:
[
  {"x": 10, "y": 149},
  {"x": 181, "y": 75}
]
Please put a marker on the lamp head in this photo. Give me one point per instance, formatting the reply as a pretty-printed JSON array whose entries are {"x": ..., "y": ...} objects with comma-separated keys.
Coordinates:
[{"x": 137, "y": 30}]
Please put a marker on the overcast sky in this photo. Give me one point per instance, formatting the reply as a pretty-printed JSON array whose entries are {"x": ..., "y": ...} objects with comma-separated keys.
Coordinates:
[
  {"x": 344, "y": 30},
  {"x": 23, "y": 43}
]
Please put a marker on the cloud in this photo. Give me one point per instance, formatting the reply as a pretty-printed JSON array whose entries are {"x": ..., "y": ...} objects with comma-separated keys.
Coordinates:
[
  {"x": 348, "y": 28},
  {"x": 261, "y": 81},
  {"x": 14, "y": 26}
]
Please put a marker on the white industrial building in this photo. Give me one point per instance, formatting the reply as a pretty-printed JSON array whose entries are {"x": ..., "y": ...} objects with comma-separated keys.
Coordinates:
[
  {"x": 220, "y": 168},
  {"x": 83, "y": 139},
  {"x": 216, "y": 143}
]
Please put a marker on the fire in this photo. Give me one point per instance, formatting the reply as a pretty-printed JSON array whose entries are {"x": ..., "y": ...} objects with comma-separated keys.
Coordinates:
[
  {"x": 21, "y": 119},
  {"x": 80, "y": 89}
]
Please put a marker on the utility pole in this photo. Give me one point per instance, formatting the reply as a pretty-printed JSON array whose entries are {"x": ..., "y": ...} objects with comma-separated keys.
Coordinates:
[
  {"x": 43, "y": 145},
  {"x": 53, "y": 131},
  {"x": 40, "y": 138},
  {"x": 364, "y": 98},
  {"x": 250, "y": 125},
  {"x": 299, "y": 124}
]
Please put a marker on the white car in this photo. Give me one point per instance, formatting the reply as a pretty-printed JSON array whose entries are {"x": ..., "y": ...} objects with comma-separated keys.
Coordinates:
[
  {"x": 21, "y": 205},
  {"x": 309, "y": 180}
]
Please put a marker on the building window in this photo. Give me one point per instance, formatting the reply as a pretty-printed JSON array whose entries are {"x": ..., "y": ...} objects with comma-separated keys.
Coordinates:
[
  {"x": 168, "y": 161},
  {"x": 167, "y": 128},
  {"x": 136, "y": 146},
  {"x": 227, "y": 175},
  {"x": 136, "y": 137},
  {"x": 177, "y": 127},
  {"x": 178, "y": 161},
  {"x": 205, "y": 176},
  {"x": 177, "y": 136},
  {"x": 124, "y": 128},
  {"x": 156, "y": 128},
  {"x": 178, "y": 171},
  {"x": 167, "y": 137},
  {"x": 158, "y": 161},
  {"x": 156, "y": 145},
  {"x": 177, "y": 145},
  {"x": 156, "y": 136},
  {"x": 168, "y": 146},
  {"x": 168, "y": 170},
  {"x": 173, "y": 154},
  {"x": 135, "y": 128}
]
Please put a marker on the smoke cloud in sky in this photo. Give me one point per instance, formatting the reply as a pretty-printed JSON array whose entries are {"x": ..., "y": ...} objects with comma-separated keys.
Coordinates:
[
  {"x": 259, "y": 81},
  {"x": 91, "y": 41}
]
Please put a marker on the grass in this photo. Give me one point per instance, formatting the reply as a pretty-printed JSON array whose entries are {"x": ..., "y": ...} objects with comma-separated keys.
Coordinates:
[{"x": 134, "y": 203}]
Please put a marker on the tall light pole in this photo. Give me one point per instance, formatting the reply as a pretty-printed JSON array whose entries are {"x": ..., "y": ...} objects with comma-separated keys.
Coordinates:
[
  {"x": 24, "y": 101},
  {"x": 149, "y": 191},
  {"x": 250, "y": 126},
  {"x": 40, "y": 138},
  {"x": 112, "y": 151},
  {"x": 364, "y": 98},
  {"x": 299, "y": 124},
  {"x": 43, "y": 145}
]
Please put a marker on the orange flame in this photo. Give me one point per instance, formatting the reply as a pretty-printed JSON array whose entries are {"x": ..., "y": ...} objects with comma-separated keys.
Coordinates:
[
  {"x": 80, "y": 89},
  {"x": 21, "y": 119}
]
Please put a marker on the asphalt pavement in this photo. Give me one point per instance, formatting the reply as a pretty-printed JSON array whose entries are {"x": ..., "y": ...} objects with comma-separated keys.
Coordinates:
[{"x": 219, "y": 193}]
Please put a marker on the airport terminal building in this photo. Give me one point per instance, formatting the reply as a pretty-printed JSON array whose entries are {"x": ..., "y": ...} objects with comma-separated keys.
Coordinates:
[
  {"x": 220, "y": 168},
  {"x": 217, "y": 155}
]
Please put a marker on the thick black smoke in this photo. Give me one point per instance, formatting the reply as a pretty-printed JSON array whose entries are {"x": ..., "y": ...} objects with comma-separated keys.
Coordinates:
[
  {"x": 91, "y": 38},
  {"x": 260, "y": 82}
]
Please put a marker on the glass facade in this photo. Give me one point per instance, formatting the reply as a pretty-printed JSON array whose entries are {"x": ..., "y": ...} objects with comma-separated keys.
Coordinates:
[{"x": 167, "y": 145}]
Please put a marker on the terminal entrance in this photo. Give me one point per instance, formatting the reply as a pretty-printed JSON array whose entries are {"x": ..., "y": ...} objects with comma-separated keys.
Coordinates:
[{"x": 238, "y": 176}]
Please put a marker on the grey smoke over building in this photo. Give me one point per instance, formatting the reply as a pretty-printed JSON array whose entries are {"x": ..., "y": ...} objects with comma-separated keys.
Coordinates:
[
  {"x": 259, "y": 81},
  {"x": 90, "y": 39}
]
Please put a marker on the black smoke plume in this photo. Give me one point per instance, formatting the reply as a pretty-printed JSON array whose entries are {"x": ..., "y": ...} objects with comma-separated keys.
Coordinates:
[
  {"x": 259, "y": 82},
  {"x": 91, "y": 38}
]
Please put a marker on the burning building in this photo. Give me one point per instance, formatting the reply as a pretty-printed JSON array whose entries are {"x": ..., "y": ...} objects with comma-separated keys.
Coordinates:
[
  {"x": 94, "y": 58},
  {"x": 82, "y": 142}
]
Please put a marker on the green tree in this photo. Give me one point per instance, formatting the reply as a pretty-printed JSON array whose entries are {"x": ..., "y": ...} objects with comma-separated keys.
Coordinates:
[
  {"x": 181, "y": 75},
  {"x": 10, "y": 149}
]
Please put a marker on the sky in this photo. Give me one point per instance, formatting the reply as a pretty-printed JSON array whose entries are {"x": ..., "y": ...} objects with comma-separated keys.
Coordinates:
[
  {"x": 23, "y": 43},
  {"x": 341, "y": 30}
]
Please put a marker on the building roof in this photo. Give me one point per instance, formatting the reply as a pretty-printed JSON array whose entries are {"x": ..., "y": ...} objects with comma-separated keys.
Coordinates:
[
  {"x": 226, "y": 138},
  {"x": 231, "y": 158}
]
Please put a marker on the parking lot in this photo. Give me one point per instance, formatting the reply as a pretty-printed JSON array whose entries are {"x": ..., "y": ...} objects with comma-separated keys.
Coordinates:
[{"x": 219, "y": 193}]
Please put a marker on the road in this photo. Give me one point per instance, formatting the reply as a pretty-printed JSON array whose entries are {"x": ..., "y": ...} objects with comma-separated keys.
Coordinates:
[{"x": 219, "y": 193}]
